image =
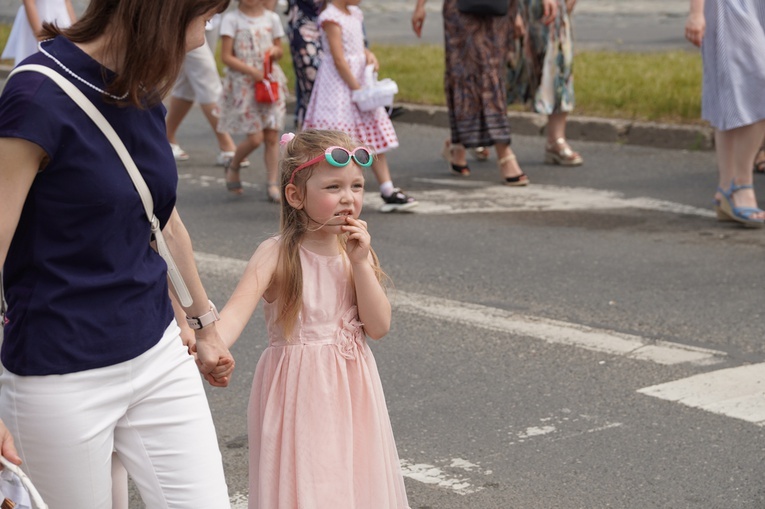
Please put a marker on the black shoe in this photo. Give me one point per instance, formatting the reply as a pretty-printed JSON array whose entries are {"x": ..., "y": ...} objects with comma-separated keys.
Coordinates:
[
  {"x": 395, "y": 111},
  {"x": 397, "y": 201}
]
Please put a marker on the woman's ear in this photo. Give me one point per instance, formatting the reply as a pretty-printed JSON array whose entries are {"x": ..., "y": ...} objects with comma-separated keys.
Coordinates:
[{"x": 294, "y": 196}]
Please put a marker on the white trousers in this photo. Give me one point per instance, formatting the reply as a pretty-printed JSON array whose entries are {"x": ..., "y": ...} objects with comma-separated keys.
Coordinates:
[{"x": 151, "y": 410}]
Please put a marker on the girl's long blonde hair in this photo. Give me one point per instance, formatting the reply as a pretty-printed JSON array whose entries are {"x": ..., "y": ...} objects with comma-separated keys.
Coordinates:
[{"x": 295, "y": 222}]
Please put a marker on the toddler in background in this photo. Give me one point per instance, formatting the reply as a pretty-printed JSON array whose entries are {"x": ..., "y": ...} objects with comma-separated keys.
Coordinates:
[{"x": 249, "y": 35}]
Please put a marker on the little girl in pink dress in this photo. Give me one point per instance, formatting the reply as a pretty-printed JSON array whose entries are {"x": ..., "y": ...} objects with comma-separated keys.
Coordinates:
[{"x": 319, "y": 432}]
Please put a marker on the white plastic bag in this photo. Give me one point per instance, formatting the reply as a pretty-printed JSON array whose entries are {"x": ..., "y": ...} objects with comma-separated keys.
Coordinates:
[
  {"x": 374, "y": 93},
  {"x": 16, "y": 487}
]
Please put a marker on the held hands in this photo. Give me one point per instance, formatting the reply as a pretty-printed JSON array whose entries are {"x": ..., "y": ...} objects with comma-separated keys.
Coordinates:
[
  {"x": 213, "y": 358},
  {"x": 359, "y": 241},
  {"x": 695, "y": 26}
]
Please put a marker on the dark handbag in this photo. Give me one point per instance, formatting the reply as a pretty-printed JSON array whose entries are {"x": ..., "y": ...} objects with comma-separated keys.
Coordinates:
[
  {"x": 483, "y": 7},
  {"x": 267, "y": 90}
]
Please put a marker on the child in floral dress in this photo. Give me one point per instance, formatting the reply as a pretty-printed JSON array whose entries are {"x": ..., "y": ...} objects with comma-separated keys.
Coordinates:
[{"x": 249, "y": 35}]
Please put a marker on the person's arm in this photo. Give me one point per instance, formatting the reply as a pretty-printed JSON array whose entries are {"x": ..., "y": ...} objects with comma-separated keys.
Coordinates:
[
  {"x": 695, "y": 25},
  {"x": 187, "y": 333},
  {"x": 276, "y": 50},
  {"x": 213, "y": 358},
  {"x": 570, "y": 6},
  {"x": 418, "y": 17},
  {"x": 335, "y": 39},
  {"x": 33, "y": 16},
  {"x": 232, "y": 62},
  {"x": 257, "y": 278},
  {"x": 371, "y": 300},
  {"x": 19, "y": 162},
  {"x": 70, "y": 10}
]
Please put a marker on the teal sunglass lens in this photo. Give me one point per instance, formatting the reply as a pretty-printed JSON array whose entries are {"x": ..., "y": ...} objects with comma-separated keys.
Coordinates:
[
  {"x": 363, "y": 157},
  {"x": 340, "y": 156}
]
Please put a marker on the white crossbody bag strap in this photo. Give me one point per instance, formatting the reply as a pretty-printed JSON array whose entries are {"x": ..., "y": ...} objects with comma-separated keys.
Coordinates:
[{"x": 148, "y": 203}]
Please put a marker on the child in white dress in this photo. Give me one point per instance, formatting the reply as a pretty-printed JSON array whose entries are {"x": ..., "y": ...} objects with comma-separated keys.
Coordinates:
[
  {"x": 343, "y": 60},
  {"x": 22, "y": 40},
  {"x": 318, "y": 426},
  {"x": 249, "y": 35}
]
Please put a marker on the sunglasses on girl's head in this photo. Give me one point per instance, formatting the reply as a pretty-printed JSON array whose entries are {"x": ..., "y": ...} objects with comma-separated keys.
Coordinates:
[{"x": 339, "y": 157}]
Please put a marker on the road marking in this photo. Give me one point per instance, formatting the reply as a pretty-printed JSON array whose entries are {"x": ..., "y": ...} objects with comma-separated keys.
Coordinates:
[
  {"x": 554, "y": 331},
  {"x": 475, "y": 196},
  {"x": 481, "y": 197},
  {"x": 239, "y": 501},
  {"x": 733, "y": 392},
  {"x": 545, "y": 329},
  {"x": 433, "y": 475}
]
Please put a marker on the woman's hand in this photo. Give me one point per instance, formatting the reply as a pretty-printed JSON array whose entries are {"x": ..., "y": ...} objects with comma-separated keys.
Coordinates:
[
  {"x": 550, "y": 11},
  {"x": 7, "y": 448},
  {"x": 418, "y": 19},
  {"x": 213, "y": 358},
  {"x": 519, "y": 27},
  {"x": 695, "y": 27},
  {"x": 359, "y": 241}
]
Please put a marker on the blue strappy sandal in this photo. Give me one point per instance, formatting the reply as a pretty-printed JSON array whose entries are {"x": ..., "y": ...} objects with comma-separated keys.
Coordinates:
[{"x": 741, "y": 215}]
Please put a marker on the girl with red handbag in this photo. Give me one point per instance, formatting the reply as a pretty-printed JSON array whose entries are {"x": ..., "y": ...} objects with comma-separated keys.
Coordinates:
[{"x": 250, "y": 44}]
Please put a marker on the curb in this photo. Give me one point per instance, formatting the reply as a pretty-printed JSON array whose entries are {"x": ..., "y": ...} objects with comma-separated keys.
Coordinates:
[
  {"x": 627, "y": 132},
  {"x": 651, "y": 134}
]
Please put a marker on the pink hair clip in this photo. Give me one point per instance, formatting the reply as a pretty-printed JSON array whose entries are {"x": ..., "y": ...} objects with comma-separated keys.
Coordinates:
[{"x": 286, "y": 138}]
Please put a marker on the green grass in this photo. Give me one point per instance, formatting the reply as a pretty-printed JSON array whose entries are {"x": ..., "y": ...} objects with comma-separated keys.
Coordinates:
[
  {"x": 5, "y": 31},
  {"x": 661, "y": 87}
]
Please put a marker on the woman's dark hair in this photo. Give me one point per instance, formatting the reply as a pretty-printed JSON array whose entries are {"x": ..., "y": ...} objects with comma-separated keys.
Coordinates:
[{"x": 147, "y": 36}]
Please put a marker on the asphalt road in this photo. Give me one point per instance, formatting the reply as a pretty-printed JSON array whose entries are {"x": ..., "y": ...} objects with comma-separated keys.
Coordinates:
[{"x": 533, "y": 328}]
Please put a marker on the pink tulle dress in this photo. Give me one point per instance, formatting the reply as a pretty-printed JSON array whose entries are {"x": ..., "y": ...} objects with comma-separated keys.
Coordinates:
[{"x": 319, "y": 432}]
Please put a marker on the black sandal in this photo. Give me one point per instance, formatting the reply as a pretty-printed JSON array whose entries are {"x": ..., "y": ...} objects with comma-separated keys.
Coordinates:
[
  {"x": 759, "y": 166},
  {"x": 461, "y": 170}
]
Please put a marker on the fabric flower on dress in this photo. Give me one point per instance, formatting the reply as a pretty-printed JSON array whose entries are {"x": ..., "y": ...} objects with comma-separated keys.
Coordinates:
[{"x": 351, "y": 335}]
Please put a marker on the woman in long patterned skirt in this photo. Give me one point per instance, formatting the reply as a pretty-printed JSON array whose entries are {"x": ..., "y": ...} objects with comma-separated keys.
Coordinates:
[{"x": 476, "y": 49}]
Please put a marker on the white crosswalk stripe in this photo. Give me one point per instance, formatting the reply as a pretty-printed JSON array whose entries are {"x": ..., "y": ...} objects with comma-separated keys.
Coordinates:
[{"x": 735, "y": 392}]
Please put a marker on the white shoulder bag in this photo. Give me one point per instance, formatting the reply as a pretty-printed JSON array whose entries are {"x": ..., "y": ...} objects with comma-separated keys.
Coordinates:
[{"x": 143, "y": 190}]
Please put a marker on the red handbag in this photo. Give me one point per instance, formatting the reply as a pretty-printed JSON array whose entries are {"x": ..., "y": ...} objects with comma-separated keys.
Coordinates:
[{"x": 267, "y": 90}]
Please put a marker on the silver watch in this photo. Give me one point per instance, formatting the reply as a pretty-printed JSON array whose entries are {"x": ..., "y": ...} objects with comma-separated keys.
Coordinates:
[{"x": 202, "y": 321}]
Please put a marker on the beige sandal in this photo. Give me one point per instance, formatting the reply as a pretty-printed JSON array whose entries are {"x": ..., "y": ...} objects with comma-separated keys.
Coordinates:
[
  {"x": 516, "y": 181},
  {"x": 560, "y": 153}
]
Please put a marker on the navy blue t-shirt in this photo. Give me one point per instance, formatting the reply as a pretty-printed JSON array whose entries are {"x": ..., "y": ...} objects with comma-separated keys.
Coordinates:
[{"x": 84, "y": 287}]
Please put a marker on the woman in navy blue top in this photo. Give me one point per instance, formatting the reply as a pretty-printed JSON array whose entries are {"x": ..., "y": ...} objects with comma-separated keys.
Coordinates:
[{"x": 92, "y": 356}]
